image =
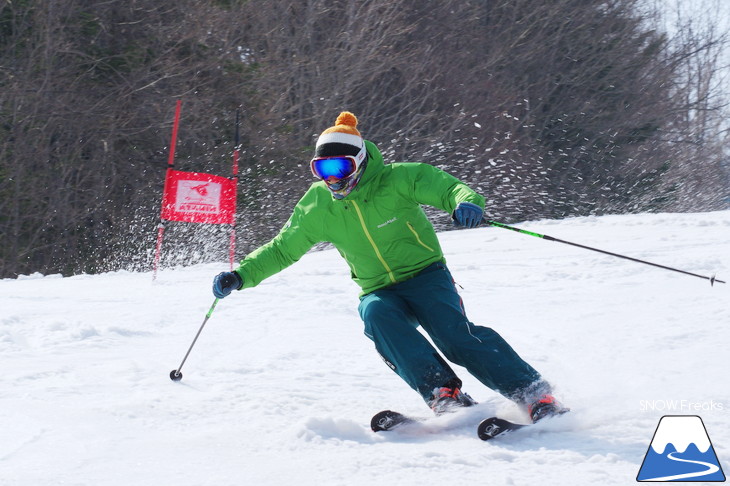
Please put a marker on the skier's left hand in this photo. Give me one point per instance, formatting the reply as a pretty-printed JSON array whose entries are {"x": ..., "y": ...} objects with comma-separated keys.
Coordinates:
[{"x": 468, "y": 215}]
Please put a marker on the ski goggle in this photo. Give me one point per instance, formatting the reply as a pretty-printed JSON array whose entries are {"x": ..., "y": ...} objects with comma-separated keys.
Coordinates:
[{"x": 333, "y": 168}]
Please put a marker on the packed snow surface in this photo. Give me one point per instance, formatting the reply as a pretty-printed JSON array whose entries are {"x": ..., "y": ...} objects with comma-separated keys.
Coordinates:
[{"x": 281, "y": 384}]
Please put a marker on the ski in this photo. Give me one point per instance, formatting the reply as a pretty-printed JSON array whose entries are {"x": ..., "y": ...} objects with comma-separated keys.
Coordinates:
[
  {"x": 494, "y": 426},
  {"x": 488, "y": 428}
]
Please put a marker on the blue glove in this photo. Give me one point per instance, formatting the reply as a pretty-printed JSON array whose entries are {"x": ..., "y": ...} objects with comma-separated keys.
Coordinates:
[
  {"x": 468, "y": 215},
  {"x": 226, "y": 282}
]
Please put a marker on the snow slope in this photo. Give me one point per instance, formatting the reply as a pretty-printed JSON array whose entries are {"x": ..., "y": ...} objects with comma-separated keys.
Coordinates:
[{"x": 281, "y": 385}]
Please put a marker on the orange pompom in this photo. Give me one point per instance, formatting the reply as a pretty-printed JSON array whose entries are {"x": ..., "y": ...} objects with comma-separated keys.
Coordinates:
[{"x": 347, "y": 118}]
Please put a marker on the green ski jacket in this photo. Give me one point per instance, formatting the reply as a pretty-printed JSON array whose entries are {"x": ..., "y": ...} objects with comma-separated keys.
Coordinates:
[{"x": 380, "y": 228}]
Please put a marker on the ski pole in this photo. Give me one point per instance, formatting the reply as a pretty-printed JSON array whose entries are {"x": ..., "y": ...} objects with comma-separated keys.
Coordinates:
[
  {"x": 175, "y": 375},
  {"x": 550, "y": 238}
]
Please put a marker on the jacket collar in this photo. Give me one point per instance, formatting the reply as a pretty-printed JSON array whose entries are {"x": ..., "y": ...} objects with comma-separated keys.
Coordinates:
[{"x": 373, "y": 170}]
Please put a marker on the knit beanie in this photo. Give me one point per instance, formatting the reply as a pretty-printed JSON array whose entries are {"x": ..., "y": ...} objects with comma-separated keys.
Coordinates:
[{"x": 342, "y": 139}]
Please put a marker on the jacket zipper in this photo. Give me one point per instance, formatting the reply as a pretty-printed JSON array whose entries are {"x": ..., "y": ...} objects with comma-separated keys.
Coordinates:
[
  {"x": 372, "y": 242},
  {"x": 418, "y": 238}
]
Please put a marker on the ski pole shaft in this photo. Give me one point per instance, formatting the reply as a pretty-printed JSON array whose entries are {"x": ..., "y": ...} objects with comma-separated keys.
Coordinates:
[
  {"x": 712, "y": 279},
  {"x": 176, "y": 375}
]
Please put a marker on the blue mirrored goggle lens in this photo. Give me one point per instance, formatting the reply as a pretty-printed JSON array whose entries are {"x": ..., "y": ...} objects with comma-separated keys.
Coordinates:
[{"x": 337, "y": 167}]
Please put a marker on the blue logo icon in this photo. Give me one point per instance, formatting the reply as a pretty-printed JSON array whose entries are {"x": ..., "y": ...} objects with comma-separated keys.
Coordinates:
[{"x": 681, "y": 451}]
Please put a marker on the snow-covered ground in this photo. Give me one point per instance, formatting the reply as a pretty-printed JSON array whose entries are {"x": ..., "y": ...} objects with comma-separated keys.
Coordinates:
[{"x": 281, "y": 385}]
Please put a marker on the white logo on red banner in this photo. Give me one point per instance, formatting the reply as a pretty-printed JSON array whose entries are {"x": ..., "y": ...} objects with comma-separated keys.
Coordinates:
[{"x": 198, "y": 197}]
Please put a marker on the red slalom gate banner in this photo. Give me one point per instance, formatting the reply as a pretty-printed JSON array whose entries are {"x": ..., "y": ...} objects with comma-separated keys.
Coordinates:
[{"x": 195, "y": 197}]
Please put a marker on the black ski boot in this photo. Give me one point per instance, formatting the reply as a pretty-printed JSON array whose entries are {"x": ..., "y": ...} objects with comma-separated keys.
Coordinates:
[
  {"x": 447, "y": 399},
  {"x": 545, "y": 406}
]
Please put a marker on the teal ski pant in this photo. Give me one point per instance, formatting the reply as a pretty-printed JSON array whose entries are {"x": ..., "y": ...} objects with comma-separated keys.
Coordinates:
[{"x": 392, "y": 316}]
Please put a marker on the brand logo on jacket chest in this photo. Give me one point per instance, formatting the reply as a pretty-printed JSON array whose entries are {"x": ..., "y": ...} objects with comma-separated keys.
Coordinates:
[{"x": 392, "y": 220}]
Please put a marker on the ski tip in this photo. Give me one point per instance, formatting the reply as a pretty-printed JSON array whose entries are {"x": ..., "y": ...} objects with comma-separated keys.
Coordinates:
[
  {"x": 387, "y": 420},
  {"x": 492, "y": 427}
]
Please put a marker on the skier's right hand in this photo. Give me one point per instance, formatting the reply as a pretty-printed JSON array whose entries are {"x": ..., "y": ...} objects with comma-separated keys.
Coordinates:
[{"x": 226, "y": 282}]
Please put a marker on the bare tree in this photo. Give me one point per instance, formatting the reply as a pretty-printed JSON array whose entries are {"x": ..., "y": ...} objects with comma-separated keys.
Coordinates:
[{"x": 548, "y": 107}]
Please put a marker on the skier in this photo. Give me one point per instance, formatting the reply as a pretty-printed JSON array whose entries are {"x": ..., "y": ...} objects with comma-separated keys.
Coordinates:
[{"x": 371, "y": 212}]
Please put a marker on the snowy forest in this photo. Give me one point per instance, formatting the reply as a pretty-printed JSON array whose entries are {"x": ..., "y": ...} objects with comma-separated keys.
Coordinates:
[{"x": 549, "y": 108}]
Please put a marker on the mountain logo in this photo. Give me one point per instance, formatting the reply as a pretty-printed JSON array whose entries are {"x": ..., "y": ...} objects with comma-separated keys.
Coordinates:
[{"x": 681, "y": 451}]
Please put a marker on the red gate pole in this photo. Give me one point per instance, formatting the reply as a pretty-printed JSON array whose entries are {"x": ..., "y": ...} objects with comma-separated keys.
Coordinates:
[
  {"x": 170, "y": 166},
  {"x": 236, "y": 151}
]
